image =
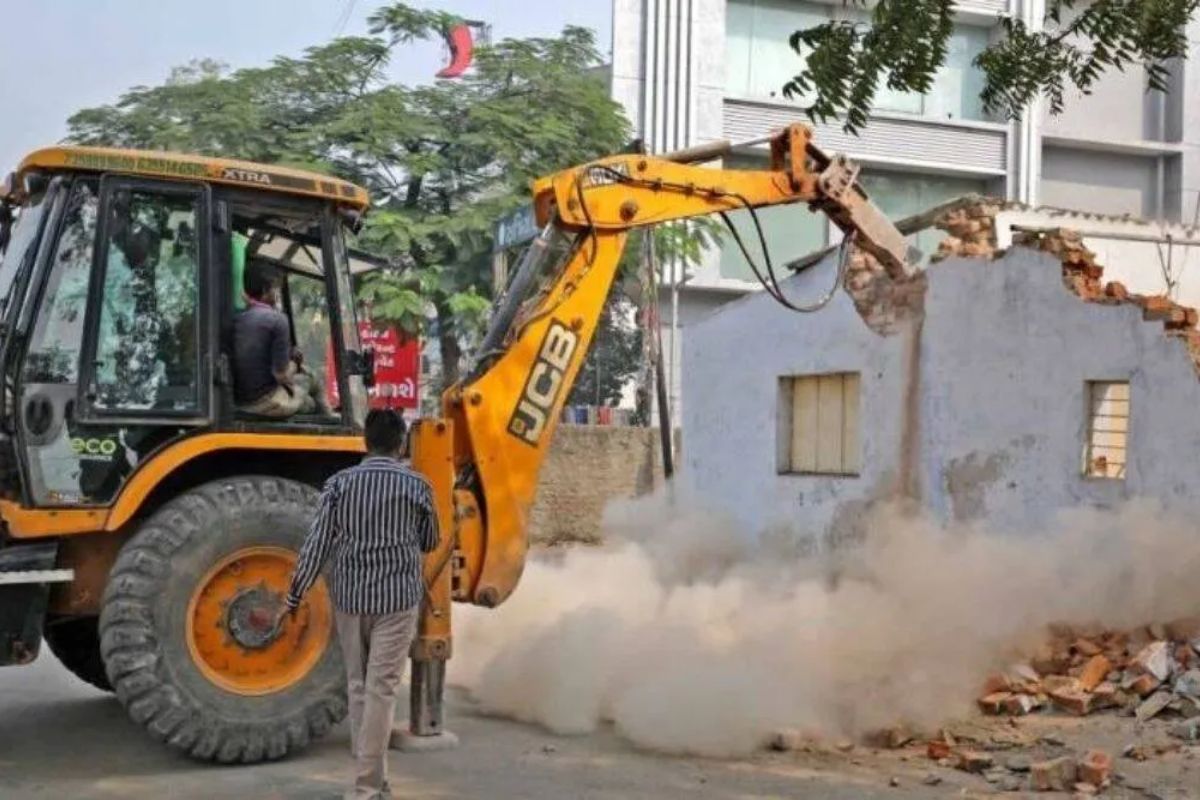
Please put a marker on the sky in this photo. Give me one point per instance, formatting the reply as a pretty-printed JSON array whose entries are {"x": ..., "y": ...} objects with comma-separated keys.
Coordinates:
[{"x": 59, "y": 56}]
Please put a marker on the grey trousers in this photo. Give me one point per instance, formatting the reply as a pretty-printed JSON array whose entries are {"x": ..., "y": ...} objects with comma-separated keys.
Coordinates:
[{"x": 374, "y": 649}]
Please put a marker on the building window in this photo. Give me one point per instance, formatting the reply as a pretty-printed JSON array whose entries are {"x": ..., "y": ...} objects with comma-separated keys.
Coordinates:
[
  {"x": 1104, "y": 452},
  {"x": 759, "y": 60},
  {"x": 902, "y": 194},
  {"x": 791, "y": 231},
  {"x": 818, "y": 424}
]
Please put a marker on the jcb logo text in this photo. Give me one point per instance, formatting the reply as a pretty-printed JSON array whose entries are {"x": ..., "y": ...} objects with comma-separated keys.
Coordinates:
[{"x": 544, "y": 384}]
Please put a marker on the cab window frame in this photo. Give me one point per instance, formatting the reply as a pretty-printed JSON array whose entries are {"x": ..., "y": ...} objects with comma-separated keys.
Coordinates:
[
  {"x": 202, "y": 413},
  {"x": 322, "y": 214}
]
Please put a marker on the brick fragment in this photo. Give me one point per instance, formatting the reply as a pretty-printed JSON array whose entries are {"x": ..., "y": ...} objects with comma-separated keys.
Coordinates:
[
  {"x": 1018, "y": 705},
  {"x": 1155, "y": 705},
  {"x": 1094, "y": 672},
  {"x": 1095, "y": 768},
  {"x": 994, "y": 703},
  {"x": 1153, "y": 659},
  {"x": 1058, "y": 683},
  {"x": 1116, "y": 290},
  {"x": 997, "y": 683},
  {"x": 973, "y": 761},
  {"x": 1048, "y": 661},
  {"x": 1074, "y": 701},
  {"x": 1156, "y": 307},
  {"x": 1142, "y": 685},
  {"x": 937, "y": 750},
  {"x": 1056, "y": 775}
]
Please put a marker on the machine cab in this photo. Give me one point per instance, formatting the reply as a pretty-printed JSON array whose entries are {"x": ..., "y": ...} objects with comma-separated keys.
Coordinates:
[{"x": 121, "y": 281}]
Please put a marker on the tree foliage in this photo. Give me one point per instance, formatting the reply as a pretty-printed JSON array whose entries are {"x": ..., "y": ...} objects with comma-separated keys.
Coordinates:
[
  {"x": 906, "y": 43},
  {"x": 443, "y": 162},
  {"x": 615, "y": 357}
]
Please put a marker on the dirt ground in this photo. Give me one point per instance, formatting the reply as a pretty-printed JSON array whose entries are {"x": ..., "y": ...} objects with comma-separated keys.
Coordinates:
[{"x": 60, "y": 738}]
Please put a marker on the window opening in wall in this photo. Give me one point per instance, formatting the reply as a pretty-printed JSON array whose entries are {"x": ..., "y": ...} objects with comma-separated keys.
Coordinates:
[
  {"x": 818, "y": 424},
  {"x": 1107, "y": 444}
]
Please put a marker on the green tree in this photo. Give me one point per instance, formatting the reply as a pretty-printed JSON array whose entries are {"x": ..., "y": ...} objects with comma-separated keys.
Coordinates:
[
  {"x": 443, "y": 162},
  {"x": 906, "y": 43},
  {"x": 615, "y": 357}
]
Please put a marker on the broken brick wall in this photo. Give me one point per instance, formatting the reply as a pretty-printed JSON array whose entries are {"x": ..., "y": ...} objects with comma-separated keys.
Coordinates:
[{"x": 980, "y": 391}]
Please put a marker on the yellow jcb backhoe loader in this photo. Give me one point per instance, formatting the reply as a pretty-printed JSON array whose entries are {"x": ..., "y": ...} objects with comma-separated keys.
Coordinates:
[{"x": 149, "y": 527}]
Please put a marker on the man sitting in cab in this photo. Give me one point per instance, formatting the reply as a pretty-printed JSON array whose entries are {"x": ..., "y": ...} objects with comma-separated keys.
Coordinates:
[{"x": 269, "y": 376}]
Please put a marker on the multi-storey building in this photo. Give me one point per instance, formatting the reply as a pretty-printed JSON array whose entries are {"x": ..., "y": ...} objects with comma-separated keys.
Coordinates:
[{"x": 690, "y": 71}]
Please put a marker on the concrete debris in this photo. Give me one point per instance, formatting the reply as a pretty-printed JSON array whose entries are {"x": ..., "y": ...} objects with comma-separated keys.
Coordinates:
[
  {"x": 973, "y": 761},
  {"x": 1020, "y": 764},
  {"x": 1188, "y": 730},
  {"x": 1018, "y": 705},
  {"x": 1142, "y": 685},
  {"x": 1083, "y": 673},
  {"x": 1154, "y": 659},
  {"x": 1188, "y": 683},
  {"x": 1151, "y": 708},
  {"x": 787, "y": 740},
  {"x": 1135, "y": 752},
  {"x": 1056, "y": 775}
]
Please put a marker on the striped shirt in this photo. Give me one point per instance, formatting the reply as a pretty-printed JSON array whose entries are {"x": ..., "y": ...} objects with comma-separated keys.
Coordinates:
[{"x": 375, "y": 520}]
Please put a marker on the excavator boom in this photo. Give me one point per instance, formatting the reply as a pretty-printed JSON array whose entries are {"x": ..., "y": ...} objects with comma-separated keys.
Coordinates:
[{"x": 484, "y": 455}]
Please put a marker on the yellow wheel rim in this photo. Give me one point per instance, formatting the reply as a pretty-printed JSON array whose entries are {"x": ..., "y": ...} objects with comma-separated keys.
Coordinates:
[{"x": 230, "y": 623}]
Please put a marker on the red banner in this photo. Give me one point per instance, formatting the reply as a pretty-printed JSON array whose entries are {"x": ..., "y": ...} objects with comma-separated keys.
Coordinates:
[{"x": 397, "y": 368}]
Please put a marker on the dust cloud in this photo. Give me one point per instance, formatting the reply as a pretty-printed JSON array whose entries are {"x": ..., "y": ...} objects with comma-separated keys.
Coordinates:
[{"x": 690, "y": 638}]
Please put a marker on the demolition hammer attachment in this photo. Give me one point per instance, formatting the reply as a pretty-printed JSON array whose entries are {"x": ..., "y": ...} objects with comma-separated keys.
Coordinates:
[{"x": 829, "y": 183}]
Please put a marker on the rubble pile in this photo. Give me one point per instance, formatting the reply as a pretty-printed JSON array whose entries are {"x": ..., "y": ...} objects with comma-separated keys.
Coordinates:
[
  {"x": 1056, "y": 771},
  {"x": 881, "y": 300},
  {"x": 1145, "y": 673}
]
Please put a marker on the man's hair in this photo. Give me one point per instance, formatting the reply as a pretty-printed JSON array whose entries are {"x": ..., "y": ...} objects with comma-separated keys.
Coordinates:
[
  {"x": 260, "y": 279},
  {"x": 385, "y": 430}
]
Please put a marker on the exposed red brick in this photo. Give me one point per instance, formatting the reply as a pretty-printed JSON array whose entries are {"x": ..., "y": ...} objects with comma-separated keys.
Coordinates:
[
  {"x": 1143, "y": 685},
  {"x": 1095, "y": 768},
  {"x": 994, "y": 703},
  {"x": 1116, "y": 290},
  {"x": 1075, "y": 701},
  {"x": 1156, "y": 308},
  {"x": 1057, "y": 775},
  {"x": 937, "y": 750},
  {"x": 1094, "y": 672}
]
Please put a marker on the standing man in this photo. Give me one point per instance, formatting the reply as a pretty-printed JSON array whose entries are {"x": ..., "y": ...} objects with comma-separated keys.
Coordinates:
[{"x": 376, "y": 520}]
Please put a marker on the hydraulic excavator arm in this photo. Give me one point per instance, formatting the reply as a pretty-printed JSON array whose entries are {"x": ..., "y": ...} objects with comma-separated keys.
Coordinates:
[{"x": 484, "y": 455}]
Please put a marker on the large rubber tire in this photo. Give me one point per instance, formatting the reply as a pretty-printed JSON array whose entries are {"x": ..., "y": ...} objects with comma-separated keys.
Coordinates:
[
  {"x": 143, "y": 626},
  {"x": 76, "y": 643}
]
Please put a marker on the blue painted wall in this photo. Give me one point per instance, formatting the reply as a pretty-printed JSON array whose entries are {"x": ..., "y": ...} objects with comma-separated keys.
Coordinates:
[{"x": 978, "y": 412}]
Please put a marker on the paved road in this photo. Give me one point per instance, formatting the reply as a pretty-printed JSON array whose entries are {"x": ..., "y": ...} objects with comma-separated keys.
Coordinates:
[{"x": 62, "y": 739}]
